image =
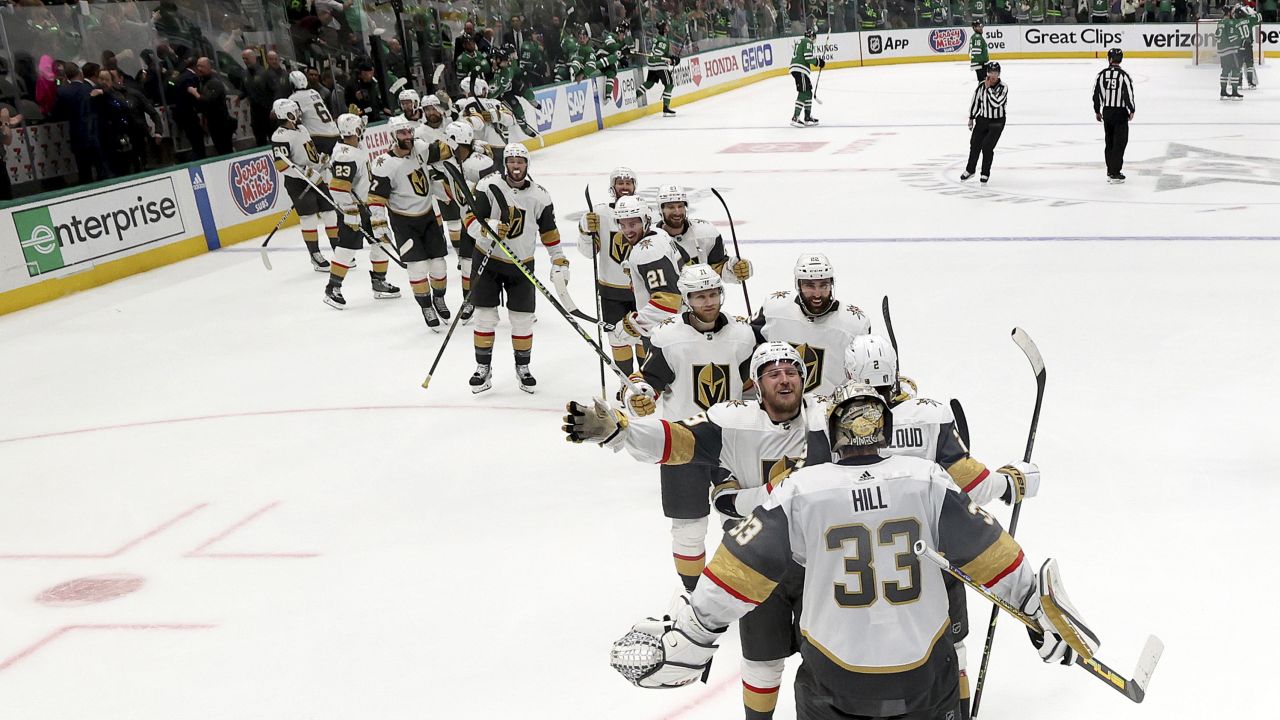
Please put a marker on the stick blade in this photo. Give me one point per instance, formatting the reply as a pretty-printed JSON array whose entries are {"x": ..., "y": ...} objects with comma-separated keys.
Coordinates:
[
  {"x": 1028, "y": 346},
  {"x": 266, "y": 261},
  {"x": 1147, "y": 662}
]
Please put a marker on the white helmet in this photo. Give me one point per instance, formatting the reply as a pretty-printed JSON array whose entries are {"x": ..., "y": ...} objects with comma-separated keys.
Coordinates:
[
  {"x": 672, "y": 194},
  {"x": 458, "y": 133},
  {"x": 622, "y": 172},
  {"x": 398, "y": 123},
  {"x": 433, "y": 101},
  {"x": 630, "y": 206},
  {"x": 814, "y": 266},
  {"x": 286, "y": 109},
  {"x": 298, "y": 80},
  {"x": 870, "y": 360},
  {"x": 411, "y": 95},
  {"x": 349, "y": 125},
  {"x": 772, "y": 352},
  {"x": 515, "y": 150},
  {"x": 479, "y": 88},
  {"x": 696, "y": 278},
  {"x": 858, "y": 416}
]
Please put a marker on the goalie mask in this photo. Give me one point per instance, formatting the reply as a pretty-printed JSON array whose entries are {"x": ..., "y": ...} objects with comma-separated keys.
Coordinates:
[{"x": 858, "y": 417}]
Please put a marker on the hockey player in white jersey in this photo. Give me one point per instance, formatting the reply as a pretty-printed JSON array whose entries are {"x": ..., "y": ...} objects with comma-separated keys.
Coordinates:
[
  {"x": 431, "y": 122},
  {"x": 473, "y": 161},
  {"x": 696, "y": 360},
  {"x": 613, "y": 284},
  {"x": 820, "y": 326},
  {"x": 401, "y": 206},
  {"x": 410, "y": 106},
  {"x": 300, "y": 162},
  {"x": 519, "y": 210},
  {"x": 315, "y": 114},
  {"x": 873, "y": 614},
  {"x": 759, "y": 444},
  {"x": 698, "y": 240},
  {"x": 925, "y": 428},
  {"x": 490, "y": 120},
  {"x": 653, "y": 264},
  {"x": 349, "y": 189}
]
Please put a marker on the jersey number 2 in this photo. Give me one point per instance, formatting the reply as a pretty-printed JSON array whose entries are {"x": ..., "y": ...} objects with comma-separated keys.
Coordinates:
[{"x": 861, "y": 563}]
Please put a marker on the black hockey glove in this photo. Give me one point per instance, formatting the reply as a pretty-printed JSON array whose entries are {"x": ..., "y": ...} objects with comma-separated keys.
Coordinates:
[
  {"x": 822, "y": 63},
  {"x": 591, "y": 423},
  {"x": 674, "y": 60}
]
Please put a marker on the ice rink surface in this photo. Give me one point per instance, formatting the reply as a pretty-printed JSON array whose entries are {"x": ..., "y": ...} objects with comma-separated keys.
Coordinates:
[{"x": 223, "y": 499}]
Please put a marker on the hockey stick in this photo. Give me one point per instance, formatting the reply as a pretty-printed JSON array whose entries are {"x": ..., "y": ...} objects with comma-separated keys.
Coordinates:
[
  {"x": 962, "y": 425},
  {"x": 595, "y": 274},
  {"x": 825, "y": 42},
  {"x": 893, "y": 340},
  {"x": 537, "y": 284},
  {"x": 1023, "y": 341},
  {"x": 279, "y": 224},
  {"x": 734, "y": 234},
  {"x": 1134, "y": 688},
  {"x": 392, "y": 252}
]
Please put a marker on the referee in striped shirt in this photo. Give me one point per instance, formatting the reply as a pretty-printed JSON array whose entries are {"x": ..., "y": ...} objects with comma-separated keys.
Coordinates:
[
  {"x": 986, "y": 120},
  {"x": 1113, "y": 107}
]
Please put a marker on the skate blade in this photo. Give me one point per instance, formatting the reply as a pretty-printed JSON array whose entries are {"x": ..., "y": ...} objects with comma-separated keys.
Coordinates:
[
  {"x": 334, "y": 305},
  {"x": 385, "y": 295}
]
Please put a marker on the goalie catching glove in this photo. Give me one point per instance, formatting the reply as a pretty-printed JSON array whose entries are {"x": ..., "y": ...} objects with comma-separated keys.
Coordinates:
[
  {"x": 666, "y": 653},
  {"x": 1065, "y": 635}
]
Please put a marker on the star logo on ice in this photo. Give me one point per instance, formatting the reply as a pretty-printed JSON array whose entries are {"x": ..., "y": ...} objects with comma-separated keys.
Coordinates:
[{"x": 1186, "y": 166}]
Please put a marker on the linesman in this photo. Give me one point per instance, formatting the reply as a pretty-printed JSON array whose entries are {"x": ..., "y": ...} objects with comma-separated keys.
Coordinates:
[
  {"x": 1113, "y": 106},
  {"x": 986, "y": 120}
]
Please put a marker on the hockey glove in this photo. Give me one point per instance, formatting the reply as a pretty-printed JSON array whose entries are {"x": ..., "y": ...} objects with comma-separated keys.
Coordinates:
[
  {"x": 501, "y": 229},
  {"x": 592, "y": 423},
  {"x": 822, "y": 63},
  {"x": 351, "y": 219},
  {"x": 675, "y": 60},
  {"x": 666, "y": 653},
  {"x": 626, "y": 332},
  {"x": 642, "y": 400},
  {"x": 560, "y": 271},
  {"x": 741, "y": 269},
  {"x": 1024, "y": 481},
  {"x": 381, "y": 231},
  {"x": 592, "y": 224}
]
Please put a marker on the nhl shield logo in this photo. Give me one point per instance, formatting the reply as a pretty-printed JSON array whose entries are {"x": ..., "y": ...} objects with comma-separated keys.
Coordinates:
[{"x": 710, "y": 384}]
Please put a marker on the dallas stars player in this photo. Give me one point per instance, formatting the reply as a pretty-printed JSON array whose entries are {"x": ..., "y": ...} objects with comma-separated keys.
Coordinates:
[
  {"x": 298, "y": 159},
  {"x": 520, "y": 212},
  {"x": 653, "y": 265},
  {"x": 926, "y": 429},
  {"x": 1231, "y": 35},
  {"x": 978, "y": 55},
  {"x": 350, "y": 191},
  {"x": 873, "y": 614},
  {"x": 613, "y": 46},
  {"x": 801, "y": 60},
  {"x": 401, "y": 206},
  {"x": 1251, "y": 22},
  {"x": 814, "y": 322},
  {"x": 473, "y": 161},
  {"x": 613, "y": 282},
  {"x": 694, "y": 362},
  {"x": 510, "y": 86},
  {"x": 759, "y": 443},
  {"x": 660, "y": 61},
  {"x": 698, "y": 240}
]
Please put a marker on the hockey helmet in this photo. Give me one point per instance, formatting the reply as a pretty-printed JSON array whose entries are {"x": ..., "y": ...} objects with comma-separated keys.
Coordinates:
[
  {"x": 870, "y": 360},
  {"x": 771, "y": 352},
  {"x": 349, "y": 125},
  {"x": 811, "y": 33},
  {"x": 515, "y": 150},
  {"x": 398, "y": 123},
  {"x": 476, "y": 88},
  {"x": 298, "y": 80},
  {"x": 622, "y": 172},
  {"x": 1115, "y": 55},
  {"x": 696, "y": 278},
  {"x": 630, "y": 206},
  {"x": 411, "y": 95},
  {"x": 814, "y": 266},
  {"x": 662, "y": 27},
  {"x": 286, "y": 109},
  {"x": 977, "y": 22},
  {"x": 672, "y": 194},
  {"x": 458, "y": 133},
  {"x": 858, "y": 416}
]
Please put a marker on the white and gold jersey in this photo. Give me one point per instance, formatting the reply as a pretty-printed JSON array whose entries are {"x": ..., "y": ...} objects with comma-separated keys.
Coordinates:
[
  {"x": 525, "y": 210},
  {"x": 294, "y": 145},
  {"x": 614, "y": 282},
  {"x": 693, "y": 370},
  {"x": 700, "y": 242},
  {"x": 820, "y": 339},
  {"x": 350, "y": 180},
  {"x": 315, "y": 114},
  {"x": 401, "y": 184},
  {"x": 926, "y": 428},
  {"x": 427, "y": 133},
  {"x": 653, "y": 264}
]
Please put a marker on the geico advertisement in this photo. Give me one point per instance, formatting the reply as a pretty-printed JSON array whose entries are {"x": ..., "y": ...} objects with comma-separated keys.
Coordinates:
[{"x": 68, "y": 232}]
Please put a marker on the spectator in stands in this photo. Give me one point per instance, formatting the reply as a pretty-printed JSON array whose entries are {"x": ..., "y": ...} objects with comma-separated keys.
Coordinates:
[
  {"x": 468, "y": 31},
  {"x": 1129, "y": 10},
  {"x": 212, "y": 97},
  {"x": 6, "y": 137},
  {"x": 365, "y": 94},
  {"x": 113, "y": 125},
  {"x": 516, "y": 34},
  {"x": 259, "y": 91},
  {"x": 141, "y": 132},
  {"x": 394, "y": 61},
  {"x": 186, "y": 109},
  {"x": 73, "y": 107},
  {"x": 336, "y": 97},
  {"x": 277, "y": 75}
]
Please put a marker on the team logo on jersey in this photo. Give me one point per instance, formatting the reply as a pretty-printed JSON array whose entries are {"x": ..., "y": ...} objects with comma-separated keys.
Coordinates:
[
  {"x": 516, "y": 222},
  {"x": 619, "y": 248},
  {"x": 813, "y": 359},
  {"x": 253, "y": 184},
  {"x": 774, "y": 470},
  {"x": 418, "y": 179},
  {"x": 710, "y": 384}
]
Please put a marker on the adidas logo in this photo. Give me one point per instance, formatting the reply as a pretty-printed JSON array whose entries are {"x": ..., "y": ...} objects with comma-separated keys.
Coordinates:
[{"x": 866, "y": 476}]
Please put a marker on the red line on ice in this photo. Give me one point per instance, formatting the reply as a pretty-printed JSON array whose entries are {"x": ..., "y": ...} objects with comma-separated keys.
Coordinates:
[
  {"x": 31, "y": 649},
  {"x": 199, "y": 551},
  {"x": 118, "y": 551}
]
